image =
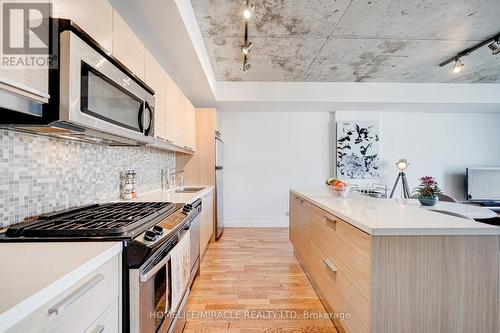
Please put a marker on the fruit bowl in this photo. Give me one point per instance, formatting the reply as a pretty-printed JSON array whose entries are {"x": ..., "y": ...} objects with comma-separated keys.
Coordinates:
[{"x": 337, "y": 188}]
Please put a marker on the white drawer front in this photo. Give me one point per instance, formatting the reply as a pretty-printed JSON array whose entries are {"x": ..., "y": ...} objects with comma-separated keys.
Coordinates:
[
  {"x": 77, "y": 308},
  {"x": 109, "y": 321}
]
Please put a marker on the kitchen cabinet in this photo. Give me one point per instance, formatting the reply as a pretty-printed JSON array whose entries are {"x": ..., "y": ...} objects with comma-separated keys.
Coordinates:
[
  {"x": 207, "y": 220},
  {"x": 181, "y": 117},
  {"x": 127, "y": 47},
  {"x": 95, "y": 17},
  {"x": 31, "y": 82},
  {"x": 155, "y": 77},
  {"x": 395, "y": 283},
  {"x": 92, "y": 304}
]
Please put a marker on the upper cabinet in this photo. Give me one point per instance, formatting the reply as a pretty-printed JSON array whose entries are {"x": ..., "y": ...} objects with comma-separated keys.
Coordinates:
[
  {"x": 127, "y": 47},
  {"x": 181, "y": 119},
  {"x": 95, "y": 17},
  {"x": 155, "y": 77}
]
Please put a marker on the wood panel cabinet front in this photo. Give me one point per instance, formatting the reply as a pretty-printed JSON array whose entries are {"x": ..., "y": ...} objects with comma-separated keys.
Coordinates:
[
  {"x": 155, "y": 77},
  {"x": 348, "y": 246},
  {"x": 95, "y": 17},
  {"x": 181, "y": 117},
  {"x": 127, "y": 47},
  {"x": 207, "y": 224}
]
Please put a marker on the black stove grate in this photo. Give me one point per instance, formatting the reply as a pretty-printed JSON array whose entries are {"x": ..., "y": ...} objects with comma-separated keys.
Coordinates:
[{"x": 113, "y": 219}]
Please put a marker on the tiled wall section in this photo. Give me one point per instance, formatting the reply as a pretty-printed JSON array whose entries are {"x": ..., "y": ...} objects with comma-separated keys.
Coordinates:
[{"x": 41, "y": 174}]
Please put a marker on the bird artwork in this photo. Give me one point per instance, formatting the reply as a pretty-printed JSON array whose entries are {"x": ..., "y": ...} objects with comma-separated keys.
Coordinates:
[{"x": 357, "y": 150}]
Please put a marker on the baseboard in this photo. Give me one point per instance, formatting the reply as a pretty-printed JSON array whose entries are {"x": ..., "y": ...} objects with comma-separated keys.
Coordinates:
[{"x": 256, "y": 224}]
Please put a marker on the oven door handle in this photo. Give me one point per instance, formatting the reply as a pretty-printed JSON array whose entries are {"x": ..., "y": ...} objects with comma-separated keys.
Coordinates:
[{"x": 149, "y": 274}]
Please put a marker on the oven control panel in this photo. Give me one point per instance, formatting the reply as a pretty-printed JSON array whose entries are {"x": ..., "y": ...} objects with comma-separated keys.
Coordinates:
[{"x": 164, "y": 228}]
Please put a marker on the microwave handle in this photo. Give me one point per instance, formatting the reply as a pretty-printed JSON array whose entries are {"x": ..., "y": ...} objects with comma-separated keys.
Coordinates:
[
  {"x": 139, "y": 116},
  {"x": 147, "y": 275},
  {"x": 150, "y": 110}
]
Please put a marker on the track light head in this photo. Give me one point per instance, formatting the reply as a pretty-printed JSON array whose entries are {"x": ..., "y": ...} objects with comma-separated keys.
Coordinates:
[
  {"x": 245, "y": 49},
  {"x": 247, "y": 12},
  {"x": 246, "y": 67},
  {"x": 495, "y": 47},
  {"x": 457, "y": 66}
]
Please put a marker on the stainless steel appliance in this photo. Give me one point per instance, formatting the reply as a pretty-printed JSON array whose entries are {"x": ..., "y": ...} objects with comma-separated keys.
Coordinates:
[
  {"x": 195, "y": 242},
  {"x": 219, "y": 208},
  {"x": 93, "y": 97},
  {"x": 156, "y": 257}
]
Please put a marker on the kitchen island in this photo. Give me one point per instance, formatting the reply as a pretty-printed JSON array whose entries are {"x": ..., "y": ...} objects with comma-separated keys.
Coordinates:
[{"x": 382, "y": 266}]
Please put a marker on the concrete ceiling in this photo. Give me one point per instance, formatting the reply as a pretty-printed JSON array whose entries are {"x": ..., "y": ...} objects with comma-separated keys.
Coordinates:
[{"x": 351, "y": 41}]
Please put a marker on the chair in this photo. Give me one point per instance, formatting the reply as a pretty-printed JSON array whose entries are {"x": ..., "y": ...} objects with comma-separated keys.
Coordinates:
[{"x": 447, "y": 198}]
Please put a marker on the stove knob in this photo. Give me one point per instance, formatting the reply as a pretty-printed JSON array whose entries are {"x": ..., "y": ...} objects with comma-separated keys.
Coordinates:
[
  {"x": 186, "y": 209},
  {"x": 158, "y": 230},
  {"x": 150, "y": 235}
]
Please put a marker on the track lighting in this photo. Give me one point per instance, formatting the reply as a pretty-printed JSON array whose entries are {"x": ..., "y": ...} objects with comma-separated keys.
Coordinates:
[
  {"x": 457, "y": 66},
  {"x": 492, "y": 42},
  {"x": 247, "y": 13},
  {"x": 246, "y": 48},
  {"x": 495, "y": 47},
  {"x": 247, "y": 45}
]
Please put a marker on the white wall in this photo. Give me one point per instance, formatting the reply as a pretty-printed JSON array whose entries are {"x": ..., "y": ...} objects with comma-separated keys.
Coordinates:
[
  {"x": 441, "y": 145},
  {"x": 267, "y": 153}
]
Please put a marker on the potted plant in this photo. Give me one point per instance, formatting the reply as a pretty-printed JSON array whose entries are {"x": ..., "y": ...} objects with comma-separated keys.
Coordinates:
[{"x": 428, "y": 191}]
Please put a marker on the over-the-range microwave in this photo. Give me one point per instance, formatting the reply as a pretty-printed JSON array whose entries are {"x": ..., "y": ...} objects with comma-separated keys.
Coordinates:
[{"x": 93, "y": 97}]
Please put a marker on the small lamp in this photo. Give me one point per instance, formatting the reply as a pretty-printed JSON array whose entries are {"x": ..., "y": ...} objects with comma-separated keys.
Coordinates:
[{"x": 402, "y": 165}]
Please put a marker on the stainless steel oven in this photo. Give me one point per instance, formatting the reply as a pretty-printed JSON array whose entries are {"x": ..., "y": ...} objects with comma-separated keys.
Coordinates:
[{"x": 158, "y": 289}]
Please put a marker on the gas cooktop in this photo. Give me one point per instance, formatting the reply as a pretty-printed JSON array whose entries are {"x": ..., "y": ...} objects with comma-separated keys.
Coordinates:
[{"x": 121, "y": 219}]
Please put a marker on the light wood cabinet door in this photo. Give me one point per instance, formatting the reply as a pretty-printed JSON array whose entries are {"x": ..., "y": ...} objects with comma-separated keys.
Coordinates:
[
  {"x": 95, "y": 17},
  {"x": 174, "y": 103},
  {"x": 207, "y": 224},
  {"x": 127, "y": 47},
  {"x": 27, "y": 81},
  {"x": 189, "y": 126},
  {"x": 155, "y": 77}
]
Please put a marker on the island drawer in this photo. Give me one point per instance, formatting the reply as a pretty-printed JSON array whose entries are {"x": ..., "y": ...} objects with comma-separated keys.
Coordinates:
[
  {"x": 340, "y": 294},
  {"x": 76, "y": 308},
  {"x": 348, "y": 246}
]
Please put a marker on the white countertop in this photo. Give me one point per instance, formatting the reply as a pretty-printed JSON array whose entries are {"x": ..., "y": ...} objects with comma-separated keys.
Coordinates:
[
  {"x": 468, "y": 211},
  {"x": 390, "y": 217},
  {"x": 34, "y": 273},
  {"x": 171, "y": 196}
]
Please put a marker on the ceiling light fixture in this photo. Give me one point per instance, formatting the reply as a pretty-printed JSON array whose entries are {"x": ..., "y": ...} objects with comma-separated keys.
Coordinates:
[
  {"x": 246, "y": 66},
  {"x": 495, "y": 47},
  {"x": 246, "y": 48},
  {"x": 247, "y": 12},
  {"x": 247, "y": 45},
  {"x": 457, "y": 66},
  {"x": 456, "y": 60}
]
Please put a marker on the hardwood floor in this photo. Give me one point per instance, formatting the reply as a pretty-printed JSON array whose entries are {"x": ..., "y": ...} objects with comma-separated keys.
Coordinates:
[{"x": 251, "y": 282}]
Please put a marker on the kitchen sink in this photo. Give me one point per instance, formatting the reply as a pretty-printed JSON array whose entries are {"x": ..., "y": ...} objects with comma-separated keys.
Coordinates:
[{"x": 189, "y": 189}]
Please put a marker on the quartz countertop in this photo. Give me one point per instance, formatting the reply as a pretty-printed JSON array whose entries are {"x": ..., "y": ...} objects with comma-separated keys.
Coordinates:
[
  {"x": 392, "y": 217},
  {"x": 34, "y": 273},
  {"x": 171, "y": 196}
]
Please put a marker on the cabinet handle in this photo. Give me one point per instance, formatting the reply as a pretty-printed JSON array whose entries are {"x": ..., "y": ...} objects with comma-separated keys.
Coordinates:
[
  {"x": 330, "y": 265},
  {"x": 188, "y": 148},
  {"x": 63, "y": 304},
  {"x": 331, "y": 223},
  {"x": 98, "y": 329}
]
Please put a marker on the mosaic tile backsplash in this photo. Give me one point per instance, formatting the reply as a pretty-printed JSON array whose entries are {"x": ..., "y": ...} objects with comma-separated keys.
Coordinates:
[{"x": 41, "y": 174}]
